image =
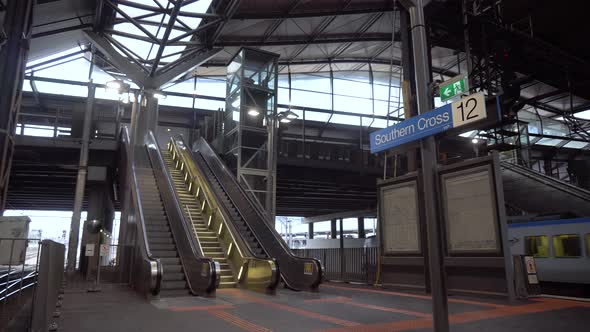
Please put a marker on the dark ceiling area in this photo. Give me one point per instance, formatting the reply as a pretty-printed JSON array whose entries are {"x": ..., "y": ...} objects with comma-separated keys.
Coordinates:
[{"x": 310, "y": 36}]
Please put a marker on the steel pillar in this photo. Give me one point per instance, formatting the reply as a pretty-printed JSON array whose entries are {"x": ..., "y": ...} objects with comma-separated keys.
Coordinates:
[
  {"x": 333, "y": 228},
  {"x": 144, "y": 117},
  {"x": 440, "y": 310},
  {"x": 13, "y": 57},
  {"x": 310, "y": 230},
  {"x": 361, "y": 227},
  {"x": 81, "y": 181}
]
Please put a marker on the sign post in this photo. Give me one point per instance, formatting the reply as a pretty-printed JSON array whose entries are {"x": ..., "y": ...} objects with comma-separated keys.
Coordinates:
[
  {"x": 440, "y": 309},
  {"x": 453, "y": 87}
]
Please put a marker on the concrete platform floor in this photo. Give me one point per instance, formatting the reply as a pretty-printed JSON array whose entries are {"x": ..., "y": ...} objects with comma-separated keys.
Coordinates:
[{"x": 337, "y": 307}]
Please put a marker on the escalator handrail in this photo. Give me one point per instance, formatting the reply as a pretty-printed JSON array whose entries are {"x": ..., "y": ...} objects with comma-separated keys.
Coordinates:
[
  {"x": 548, "y": 180},
  {"x": 193, "y": 253},
  {"x": 203, "y": 146},
  {"x": 155, "y": 265}
]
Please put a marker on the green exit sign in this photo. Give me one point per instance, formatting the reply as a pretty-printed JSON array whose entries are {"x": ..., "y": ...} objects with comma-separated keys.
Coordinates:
[{"x": 453, "y": 87}]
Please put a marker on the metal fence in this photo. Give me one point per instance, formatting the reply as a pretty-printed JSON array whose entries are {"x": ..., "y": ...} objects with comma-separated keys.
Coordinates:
[
  {"x": 348, "y": 264},
  {"x": 31, "y": 273},
  {"x": 19, "y": 259}
]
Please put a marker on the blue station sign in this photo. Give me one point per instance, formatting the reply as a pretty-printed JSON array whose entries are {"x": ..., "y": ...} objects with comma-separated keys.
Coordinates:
[{"x": 459, "y": 113}]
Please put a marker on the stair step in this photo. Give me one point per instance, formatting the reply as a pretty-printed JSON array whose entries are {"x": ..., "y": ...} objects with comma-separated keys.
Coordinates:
[
  {"x": 214, "y": 255},
  {"x": 226, "y": 272},
  {"x": 227, "y": 284}
]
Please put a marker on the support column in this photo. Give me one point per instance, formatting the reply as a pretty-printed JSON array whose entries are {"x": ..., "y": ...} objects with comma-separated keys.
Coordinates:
[
  {"x": 361, "y": 227},
  {"x": 144, "y": 119},
  {"x": 333, "y": 228},
  {"x": 80, "y": 182},
  {"x": 310, "y": 230},
  {"x": 409, "y": 81},
  {"x": 13, "y": 58},
  {"x": 342, "y": 256}
]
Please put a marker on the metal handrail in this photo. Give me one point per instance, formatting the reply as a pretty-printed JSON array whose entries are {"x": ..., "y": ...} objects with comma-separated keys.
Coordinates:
[
  {"x": 217, "y": 211},
  {"x": 548, "y": 180},
  {"x": 15, "y": 282},
  {"x": 155, "y": 276},
  {"x": 203, "y": 148}
]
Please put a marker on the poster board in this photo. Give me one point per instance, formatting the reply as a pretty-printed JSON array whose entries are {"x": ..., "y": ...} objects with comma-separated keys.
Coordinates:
[
  {"x": 469, "y": 202},
  {"x": 400, "y": 227}
]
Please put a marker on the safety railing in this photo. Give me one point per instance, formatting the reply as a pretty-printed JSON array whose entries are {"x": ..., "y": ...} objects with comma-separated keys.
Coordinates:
[
  {"x": 348, "y": 264},
  {"x": 202, "y": 273},
  {"x": 253, "y": 272},
  {"x": 19, "y": 263},
  {"x": 146, "y": 274}
]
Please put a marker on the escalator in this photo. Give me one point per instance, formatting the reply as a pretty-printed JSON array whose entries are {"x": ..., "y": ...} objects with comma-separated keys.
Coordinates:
[
  {"x": 157, "y": 249},
  {"x": 536, "y": 193},
  {"x": 253, "y": 225},
  {"x": 161, "y": 242}
]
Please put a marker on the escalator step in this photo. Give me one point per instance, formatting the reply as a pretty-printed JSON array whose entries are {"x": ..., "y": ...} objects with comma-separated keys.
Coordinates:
[
  {"x": 160, "y": 240},
  {"x": 174, "y": 293},
  {"x": 159, "y": 234},
  {"x": 173, "y": 276},
  {"x": 172, "y": 269},
  {"x": 165, "y": 246},
  {"x": 158, "y": 228},
  {"x": 167, "y": 285},
  {"x": 164, "y": 253},
  {"x": 170, "y": 261}
]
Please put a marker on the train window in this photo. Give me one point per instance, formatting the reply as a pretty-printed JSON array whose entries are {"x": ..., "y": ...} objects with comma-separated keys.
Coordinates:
[
  {"x": 537, "y": 246},
  {"x": 588, "y": 245},
  {"x": 567, "y": 245}
]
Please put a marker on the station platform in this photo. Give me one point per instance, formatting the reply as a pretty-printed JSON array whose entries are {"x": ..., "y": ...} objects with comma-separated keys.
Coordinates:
[{"x": 338, "y": 307}]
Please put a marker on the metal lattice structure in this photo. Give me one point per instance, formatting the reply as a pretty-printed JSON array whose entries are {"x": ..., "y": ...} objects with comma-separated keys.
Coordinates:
[{"x": 251, "y": 124}]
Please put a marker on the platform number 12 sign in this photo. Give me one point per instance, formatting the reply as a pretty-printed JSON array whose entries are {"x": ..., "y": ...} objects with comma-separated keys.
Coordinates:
[{"x": 469, "y": 109}]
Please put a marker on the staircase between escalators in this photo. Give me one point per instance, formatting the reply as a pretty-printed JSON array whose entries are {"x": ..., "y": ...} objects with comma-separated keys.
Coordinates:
[{"x": 208, "y": 238}]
